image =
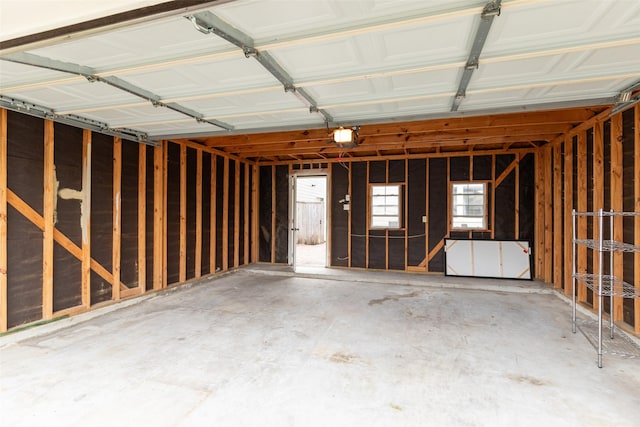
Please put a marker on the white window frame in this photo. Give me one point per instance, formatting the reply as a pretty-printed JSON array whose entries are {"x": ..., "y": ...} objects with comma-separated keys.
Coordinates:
[
  {"x": 455, "y": 225},
  {"x": 372, "y": 205}
]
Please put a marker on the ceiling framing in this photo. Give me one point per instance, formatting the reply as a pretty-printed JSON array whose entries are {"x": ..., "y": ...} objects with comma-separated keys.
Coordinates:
[{"x": 269, "y": 79}]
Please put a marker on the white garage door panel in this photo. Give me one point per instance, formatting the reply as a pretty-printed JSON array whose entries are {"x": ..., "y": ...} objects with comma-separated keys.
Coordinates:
[{"x": 488, "y": 258}]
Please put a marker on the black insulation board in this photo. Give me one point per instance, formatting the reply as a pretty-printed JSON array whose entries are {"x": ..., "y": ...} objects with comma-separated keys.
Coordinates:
[
  {"x": 416, "y": 208},
  {"x": 502, "y": 163},
  {"x": 339, "y": 217},
  {"x": 378, "y": 171},
  {"x": 149, "y": 218},
  {"x": 282, "y": 213},
  {"x": 206, "y": 213},
  {"x": 589, "y": 208},
  {"x": 526, "y": 198},
  {"x": 191, "y": 212},
  {"x": 231, "y": 211},
  {"x": 437, "y": 209},
  {"x": 459, "y": 168},
  {"x": 101, "y": 212},
  {"x": 173, "y": 213},
  {"x": 129, "y": 215},
  {"x": 241, "y": 226},
  {"x": 24, "y": 269},
  {"x": 396, "y": 249},
  {"x": 25, "y": 175},
  {"x": 67, "y": 269},
  {"x": 628, "y": 205},
  {"x": 482, "y": 167},
  {"x": 265, "y": 213},
  {"x": 396, "y": 171},
  {"x": 506, "y": 208},
  {"x": 219, "y": 209},
  {"x": 359, "y": 216},
  {"x": 377, "y": 249}
]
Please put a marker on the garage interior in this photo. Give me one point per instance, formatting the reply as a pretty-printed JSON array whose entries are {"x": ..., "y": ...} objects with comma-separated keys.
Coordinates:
[{"x": 149, "y": 154}]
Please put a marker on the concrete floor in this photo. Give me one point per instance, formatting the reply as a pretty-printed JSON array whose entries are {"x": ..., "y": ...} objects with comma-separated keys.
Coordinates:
[{"x": 270, "y": 349}]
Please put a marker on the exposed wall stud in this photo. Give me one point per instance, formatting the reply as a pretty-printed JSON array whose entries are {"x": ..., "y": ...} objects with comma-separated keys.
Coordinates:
[
  {"x": 182, "y": 276},
  {"x": 225, "y": 215},
  {"x": 213, "y": 235},
  {"x": 117, "y": 217},
  {"x": 85, "y": 220},
  {"x": 568, "y": 208},
  {"x": 198, "y": 254},
  {"x": 48, "y": 216},
  {"x": 247, "y": 220},
  {"x": 617, "y": 205},
  {"x": 158, "y": 217}
]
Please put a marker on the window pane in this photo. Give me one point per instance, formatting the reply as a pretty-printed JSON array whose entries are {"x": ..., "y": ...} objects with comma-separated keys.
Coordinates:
[
  {"x": 468, "y": 208},
  {"x": 385, "y": 206}
]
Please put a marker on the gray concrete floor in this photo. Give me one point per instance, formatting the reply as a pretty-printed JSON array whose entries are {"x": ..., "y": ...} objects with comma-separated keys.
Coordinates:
[{"x": 267, "y": 348}]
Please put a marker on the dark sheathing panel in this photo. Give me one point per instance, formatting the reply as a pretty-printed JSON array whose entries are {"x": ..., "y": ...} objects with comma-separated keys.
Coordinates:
[
  {"x": 628, "y": 205},
  {"x": 416, "y": 208},
  {"x": 219, "y": 209},
  {"x": 129, "y": 212},
  {"x": 396, "y": 171},
  {"x": 206, "y": 213},
  {"x": 459, "y": 168},
  {"x": 589, "y": 206},
  {"x": 377, "y": 249},
  {"x": 505, "y": 199},
  {"x": 265, "y": 213},
  {"x": 173, "y": 213},
  {"x": 459, "y": 235},
  {"x": 241, "y": 230},
  {"x": 437, "y": 209},
  {"x": 24, "y": 262},
  {"x": 149, "y": 219},
  {"x": 481, "y": 167},
  {"x": 527, "y": 173},
  {"x": 606, "y": 134},
  {"x": 231, "y": 190},
  {"x": 67, "y": 269},
  {"x": 25, "y": 136},
  {"x": 359, "y": 217},
  {"x": 378, "y": 171},
  {"x": 101, "y": 212},
  {"x": 396, "y": 250},
  {"x": 282, "y": 213},
  {"x": 339, "y": 217},
  {"x": 191, "y": 213}
]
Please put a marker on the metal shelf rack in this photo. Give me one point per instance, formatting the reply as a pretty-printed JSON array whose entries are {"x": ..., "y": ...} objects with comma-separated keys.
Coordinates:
[{"x": 602, "y": 285}]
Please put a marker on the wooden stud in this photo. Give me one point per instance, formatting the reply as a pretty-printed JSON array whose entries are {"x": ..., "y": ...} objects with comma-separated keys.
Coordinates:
[
  {"x": 182, "y": 275},
  {"x": 236, "y": 216},
  {"x": 255, "y": 206},
  {"x": 213, "y": 235},
  {"x": 557, "y": 216},
  {"x": 426, "y": 213},
  {"x": 367, "y": 215},
  {"x": 405, "y": 213},
  {"x": 636, "y": 224},
  {"x": 273, "y": 214},
  {"x": 117, "y": 217},
  {"x": 247, "y": 221},
  {"x": 3, "y": 220},
  {"x": 198, "y": 254},
  {"x": 617, "y": 205},
  {"x": 142, "y": 218},
  {"x": 165, "y": 180},
  {"x": 350, "y": 191},
  {"x": 598, "y": 189},
  {"x": 493, "y": 196},
  {"x": 548, "y": 216},
  {"x": 568, "y": 219},
  {"x": 49, "y": 213},
  {"x": 158, "y": 218},
  {"x": 85, "y": 220},
  {"x": 539, "y": 213},
  {"x": 516, "y": 222},
  {"x": 225, "y": 215},
  {"x": 582, "y": 207}
]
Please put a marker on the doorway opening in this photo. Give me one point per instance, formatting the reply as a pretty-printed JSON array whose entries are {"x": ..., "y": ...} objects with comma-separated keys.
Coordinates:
[{"x": 309, "y": 213}]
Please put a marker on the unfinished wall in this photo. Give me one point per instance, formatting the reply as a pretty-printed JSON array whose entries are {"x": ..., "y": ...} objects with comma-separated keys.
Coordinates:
[
  {"x": 87, "y": 218},
  {"x": 425, "y": 186},
  {"x": 596, "y": 165}
]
